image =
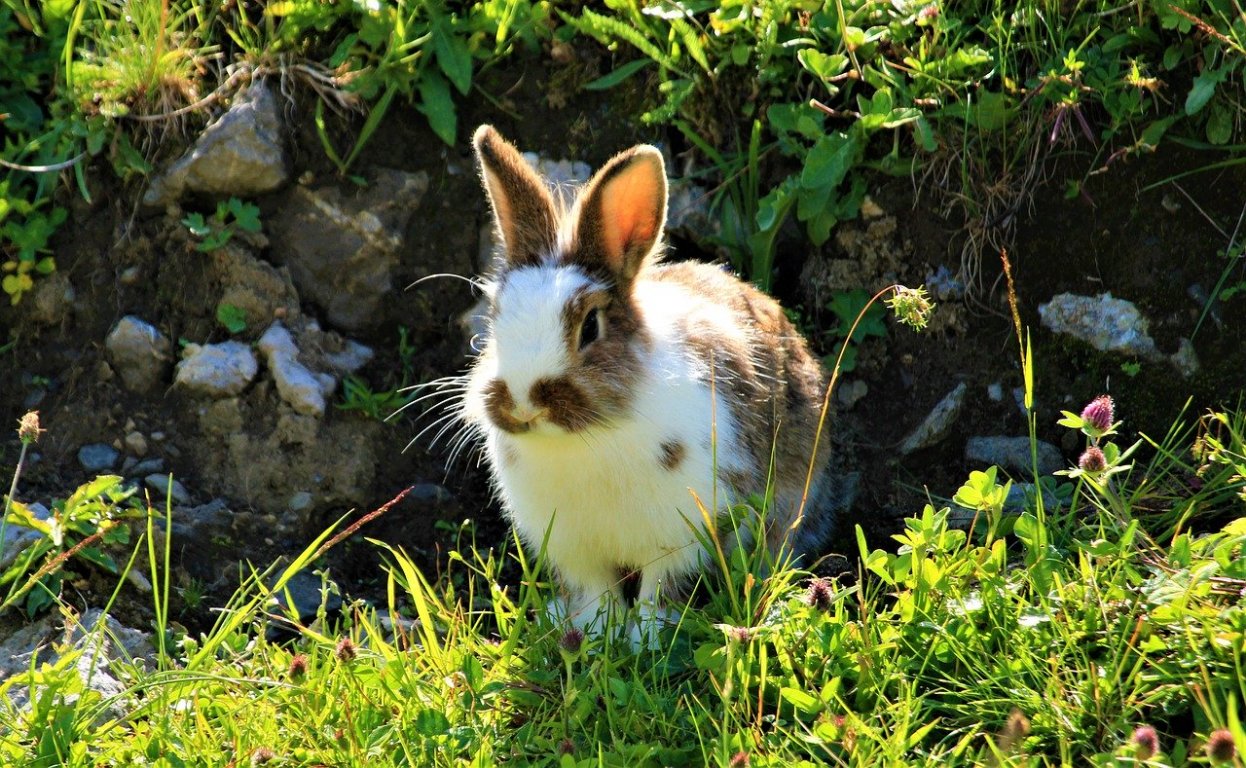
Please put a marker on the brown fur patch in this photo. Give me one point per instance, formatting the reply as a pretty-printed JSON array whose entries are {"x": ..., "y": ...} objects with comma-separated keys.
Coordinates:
[
  {"x": 773, "y": 385},
  {"x": 567, "y": 405},
  {"x": 523, "y": 208},
  {"x": 673, "y": 453},
  {"x": 500, "y": 406}
]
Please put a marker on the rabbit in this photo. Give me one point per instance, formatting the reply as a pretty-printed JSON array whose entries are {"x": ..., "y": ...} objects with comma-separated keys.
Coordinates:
[{"x": 615, "y": 394}]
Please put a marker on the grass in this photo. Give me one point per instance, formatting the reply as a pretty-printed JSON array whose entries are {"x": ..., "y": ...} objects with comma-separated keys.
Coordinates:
[{"x": 1045, "y": 638}]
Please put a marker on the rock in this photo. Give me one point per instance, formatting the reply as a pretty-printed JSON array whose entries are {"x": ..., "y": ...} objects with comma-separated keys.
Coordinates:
[
  {"x": 18, "y": 537},
  {"x": 295, "y": 383},
  {"x": 147, "y": 467},
  {"x": 560, "y": 175},
  {"x": 101, "y": 642},
  {"x": 217, "y": 370},
  {"x": 139, "y": 353},
  {"x": 1013, "y": 454},
  {"x": 1185, "y": 358},
  {"x": 350, "y": 358},
  {"x": 937, "y": 423},
  {"x": 300, "y": 502},
  {"x": 166, "y": 488},
  {"x": 51, "y": 301},
  {"x": 995, "y": 391},
  {"x": 688, "y": 212},
  {"x": 1108, "y": 324},
  {"x": 242, "y": 154},
  {"x": 851, "y": 392},
  {"x": 257, "y": 288},
  {"x": 341, "y": 249},
  {"x": 98, "y": 457},
  {"x": 136, "y": 444},
  {"x": 944, "y": 285},
  {"x": 425, "y": 495},
  {"x": 303, "y": 596}
]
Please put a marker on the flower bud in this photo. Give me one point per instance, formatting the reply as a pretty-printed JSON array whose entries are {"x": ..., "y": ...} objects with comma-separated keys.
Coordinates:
[
  {"x": 1099, "y": 414},
  {"x": 1092, "y": 460}
]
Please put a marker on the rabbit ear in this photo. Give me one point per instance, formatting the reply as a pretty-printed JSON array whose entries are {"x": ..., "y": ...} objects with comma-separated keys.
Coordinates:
[
  {"x": 622, "y": 212},
  {"x": 522, "y": 205}
]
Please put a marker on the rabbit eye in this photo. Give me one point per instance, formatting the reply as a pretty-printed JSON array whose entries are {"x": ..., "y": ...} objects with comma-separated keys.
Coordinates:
[{"x": 590, "y": 329}]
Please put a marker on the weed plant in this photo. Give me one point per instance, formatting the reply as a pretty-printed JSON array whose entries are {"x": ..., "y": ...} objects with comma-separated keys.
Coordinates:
[{"x": 1110, "y": 631}]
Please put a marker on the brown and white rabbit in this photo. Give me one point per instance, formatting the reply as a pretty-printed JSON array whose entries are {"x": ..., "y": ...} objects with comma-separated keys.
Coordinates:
[{"x": 610, "y": 387}]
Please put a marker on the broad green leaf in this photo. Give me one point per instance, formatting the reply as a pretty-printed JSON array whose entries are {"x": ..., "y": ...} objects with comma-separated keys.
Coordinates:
[
  {"x": 438, "y": 106},
  {"x": 829, "y": 161},
  {"x": 453, "y": 56},
  {"x": 1203, "y": 89}
]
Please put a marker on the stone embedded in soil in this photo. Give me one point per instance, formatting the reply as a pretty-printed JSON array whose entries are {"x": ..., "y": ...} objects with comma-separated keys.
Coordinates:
[
  {"x": 298, "y": 386},
  {"x": 99, "y": 640},
  {"x": 351, "y": 357},
  {"x": 1012, "y": 454},
  {"x": 241, "y": 155},
  {"x": 1185, "y": 358},
  {"x": 146, "y": 467},
  {"x": 136, "y": 444},
  {"x": 851, "y": 392},
  {"x": 1106, "y": 323},
  {"x": 300, "y": 502},
  {"x": 166, "y": 488},
  {"x": 98, "y": 457},
  {"x": 341, "y": 248},
  {"x": 217, "y": 370},
  {"x": 140, "y": 354},
  {"x": 52, "y": 300},
  {"x": 937, "y": 423}
]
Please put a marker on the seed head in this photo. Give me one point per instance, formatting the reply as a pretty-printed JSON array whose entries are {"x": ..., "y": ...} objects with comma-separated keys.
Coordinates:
[
  {"x": 1092, "y": 460},
  {"x": 1220, "y": 746},
  {"x": 739, "y": 760},
  {"x": 566, "y": 747},
  {"x": 298, "y": 666},
  {"x": 819, "y": 595},
  {"x": 1146, "y": 742},
  {"x": 741, "y": 635},
  {"x": 572, "y": 640},
  {"x": 28, "y": 428},
  {"x": 345, "y": 650},
  {"x": 1099, "y": 414},
  {"x": 911, "y": 306},
  {"x": 262, "y": 755}
]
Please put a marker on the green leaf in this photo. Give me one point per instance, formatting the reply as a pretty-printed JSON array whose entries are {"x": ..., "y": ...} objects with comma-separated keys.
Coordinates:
[
  {"x": 233, "y": 318},
  {"x": 1203, "y": 89},
  {"x": 438, "y": 106},
  {"x": 1219, "y": 124},
  {"x": 829, "y": 161},
  {"x": 453, "y": 56},
  {"x": 823, "y": 65},
  {"x": 197, "y": 225},
  {"x": 617, "y": 76},
  {"x": 804, "y": 703}
]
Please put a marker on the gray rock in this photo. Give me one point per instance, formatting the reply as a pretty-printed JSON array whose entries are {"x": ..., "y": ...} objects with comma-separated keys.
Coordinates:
[
  {"x": 217, "y": 370},
  {"x": 688, "y": 211},
  {"x": 147, "y": 467},
  {"x": 242, "y": 154},
  {"x": 341, "y": 249},
  {"x": 52, "y": 300},
  {"x": 1185, "y": 358},
  {"x": 18, "y": 537},
  {"x": 1108, "y": 324},
  {"x": 166, "y": 488},
  {"x": 295, "y": 383},
  {"x": 429, "y": 495},
  {"x": 995, "y": 391},
  {"x": 560, "y": 175},
  {"x": 139, "y": 353},
  {"x": 300, "y": 502},
  {"x": 102, "y": 642},
  {"x": 851, "y": 392},
  {"x": 937, "y": 423},
  {"x": 351, "y": 357},
  {"x": 304, "y": 593},
  {"x": 98, "y": 457},
  {"x": 136, "y": 444},
  {"x": 1013, "y": 454}
]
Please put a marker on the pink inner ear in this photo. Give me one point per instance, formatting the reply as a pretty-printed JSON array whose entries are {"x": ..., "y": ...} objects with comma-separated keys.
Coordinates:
[{"x": 630, "y": 205}]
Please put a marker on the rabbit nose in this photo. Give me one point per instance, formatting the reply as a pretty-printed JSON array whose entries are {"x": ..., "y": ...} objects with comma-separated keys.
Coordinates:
[{"x": 505, "y": 412}]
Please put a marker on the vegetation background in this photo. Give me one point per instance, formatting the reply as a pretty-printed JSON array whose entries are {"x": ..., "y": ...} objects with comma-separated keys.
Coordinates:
[{"x": 1098, "y": 620}]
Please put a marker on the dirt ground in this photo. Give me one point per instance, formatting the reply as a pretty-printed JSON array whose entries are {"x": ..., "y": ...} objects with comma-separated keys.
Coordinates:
[{"x": 1154, "y": 242}]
